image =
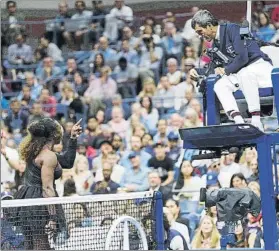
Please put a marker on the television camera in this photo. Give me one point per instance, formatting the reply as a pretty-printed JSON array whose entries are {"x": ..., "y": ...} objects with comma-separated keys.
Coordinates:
[{"x": 232, "y": 206}]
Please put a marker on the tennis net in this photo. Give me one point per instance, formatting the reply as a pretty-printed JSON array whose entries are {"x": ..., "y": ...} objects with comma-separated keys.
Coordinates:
[{"x": 122, "y": 221}]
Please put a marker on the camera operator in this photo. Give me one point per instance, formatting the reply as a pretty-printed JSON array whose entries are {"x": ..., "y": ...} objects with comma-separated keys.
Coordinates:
[{"x": 248, "y": 69}]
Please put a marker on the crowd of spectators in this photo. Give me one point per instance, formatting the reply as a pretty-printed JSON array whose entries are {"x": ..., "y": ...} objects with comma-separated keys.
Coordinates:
[{"x": 134, "y": 93}]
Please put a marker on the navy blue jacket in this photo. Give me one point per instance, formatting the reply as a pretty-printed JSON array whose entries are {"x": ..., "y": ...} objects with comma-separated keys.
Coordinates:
[
  {"x": 239, "y": 54},
  {"x": 171, "y": 234}
]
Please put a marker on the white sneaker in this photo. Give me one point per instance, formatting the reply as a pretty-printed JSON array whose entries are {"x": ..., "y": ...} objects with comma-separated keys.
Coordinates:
[{"x": 258, "y": 124}]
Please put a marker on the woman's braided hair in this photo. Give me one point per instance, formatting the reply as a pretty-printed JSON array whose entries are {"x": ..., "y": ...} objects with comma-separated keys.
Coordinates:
[{"x": 40, "y": 133}]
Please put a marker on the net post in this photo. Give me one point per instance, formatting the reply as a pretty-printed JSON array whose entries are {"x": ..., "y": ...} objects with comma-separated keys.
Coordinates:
[
  {"x": 267, "y": 189},
  {"x": 159, "y": 221}
]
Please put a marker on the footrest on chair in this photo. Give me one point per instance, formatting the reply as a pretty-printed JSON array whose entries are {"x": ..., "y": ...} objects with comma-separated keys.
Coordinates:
[{"x": 219, "y": 136}]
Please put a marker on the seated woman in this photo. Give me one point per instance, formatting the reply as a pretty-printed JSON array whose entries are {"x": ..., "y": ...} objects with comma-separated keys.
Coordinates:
[
  {"x": 149, "y": 114},
  {"x": 207, "y": 235},
  {"x": 238, "y": 181},
  {"x": 187, "y": 181},
  {"x": 83, "y": 177}
]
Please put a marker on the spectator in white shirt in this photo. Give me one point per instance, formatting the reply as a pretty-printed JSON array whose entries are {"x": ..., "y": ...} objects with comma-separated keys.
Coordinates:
[
  {"x": 173, "y": 74},
  {"x": 188, "y": 182},
  {"x": 52, "y": 49},
  {"x": 117, "y": 170},
  {"x": 119, "y": 16},
  {"x": 227, "y": 169},
  {"x": 83, "y": 17}
]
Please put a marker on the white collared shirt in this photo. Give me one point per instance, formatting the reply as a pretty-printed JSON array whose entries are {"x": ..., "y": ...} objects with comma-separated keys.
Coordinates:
[{"x": 217, "y": 37}]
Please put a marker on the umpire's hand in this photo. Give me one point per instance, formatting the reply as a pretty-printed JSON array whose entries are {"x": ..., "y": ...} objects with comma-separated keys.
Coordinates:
[{"x": 193, "y": 74}]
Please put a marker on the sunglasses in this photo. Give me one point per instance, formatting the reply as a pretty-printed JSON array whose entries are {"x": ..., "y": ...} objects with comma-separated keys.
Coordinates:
[{"x": 216, "y": 165}]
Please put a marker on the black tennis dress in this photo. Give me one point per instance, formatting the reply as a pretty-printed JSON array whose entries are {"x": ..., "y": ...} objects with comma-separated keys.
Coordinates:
[{"x": 33, "y": 219}]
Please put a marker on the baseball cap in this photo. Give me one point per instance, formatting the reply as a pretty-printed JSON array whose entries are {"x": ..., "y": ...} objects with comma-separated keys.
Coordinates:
[
  {"x": 105, "y": 141},
  {"x": 211, "y": 178},
  {"x": 6, "y": 196},
  {"x": 160, "y": 143},
  {"x": 133, "y": 155},
  {"x": 173, "y": 136}
]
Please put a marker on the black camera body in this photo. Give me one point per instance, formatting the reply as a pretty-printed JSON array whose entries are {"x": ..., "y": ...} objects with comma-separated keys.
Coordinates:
[{"x": 232, "y": 204}]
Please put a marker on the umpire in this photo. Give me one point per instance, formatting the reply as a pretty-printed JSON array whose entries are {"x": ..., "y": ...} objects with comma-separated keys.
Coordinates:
[{"x": 248, "y": 70}]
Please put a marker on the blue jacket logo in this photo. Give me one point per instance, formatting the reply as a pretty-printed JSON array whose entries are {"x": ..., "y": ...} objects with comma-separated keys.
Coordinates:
[{"x": 231, "y": 51}]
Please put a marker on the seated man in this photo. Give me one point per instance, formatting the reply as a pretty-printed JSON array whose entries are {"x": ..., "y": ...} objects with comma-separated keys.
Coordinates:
[
  {"x": 136, "y": 146},
  {"x": 105, "y": 186},
  {"x": 82, "y": 18},
  {"x": 118, "y": 17},
  {"x": 37, "y": 112},
  {"x": 248, "y": 69},
  {"x": 103, "y": 48},
  {"x": 20, "y": 53},
  {"x": 12, "y": 26},
  {"x": 48, "y": 71},
  {"x": 172, "y": 41},
  {"x": 72, "y": 69},
  {"x": 155, "y": 182},
  {"x": 17, "y": 119},
  {"x": 26, "y": 99},
  {"x": 57, "y": 28},
  {"x": 125, "y": 72},
  {"x": 127, "y": 52},
  {"x": 32, "y": 83},
  {"x": 135, "y": 179},
  {"x": 163, "y": 164}
]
